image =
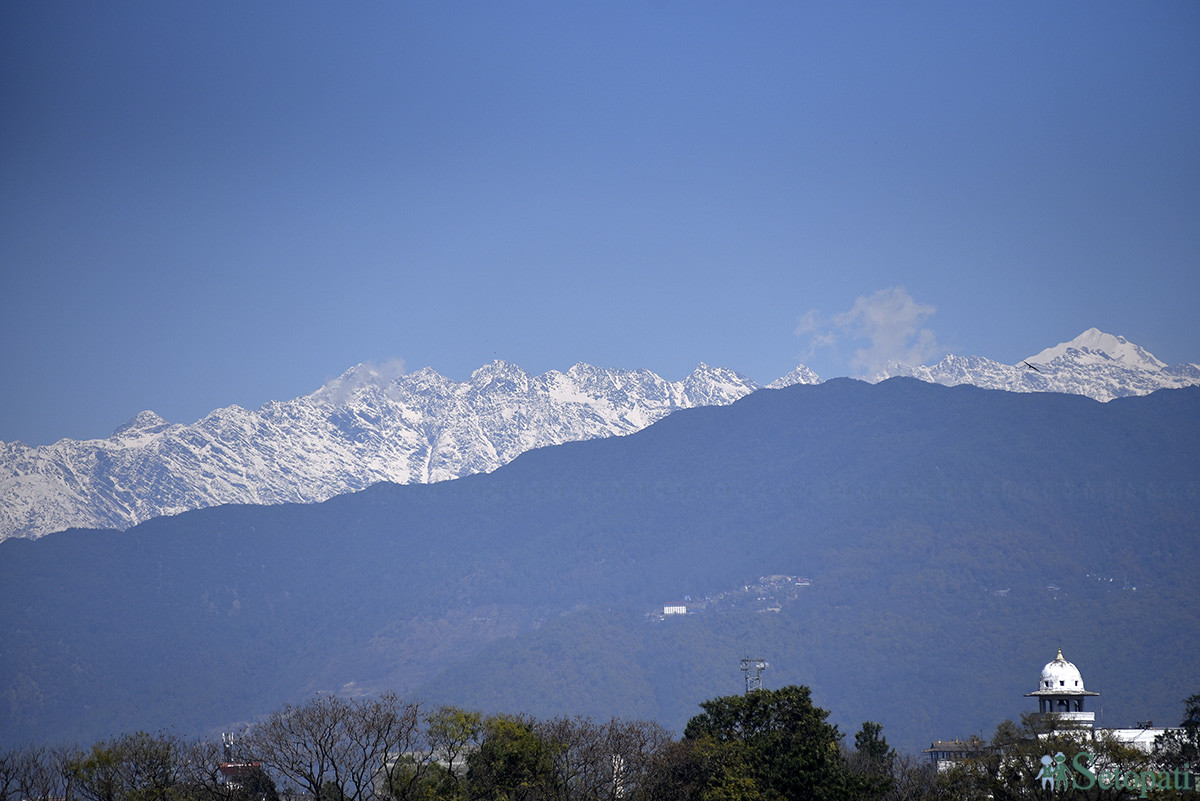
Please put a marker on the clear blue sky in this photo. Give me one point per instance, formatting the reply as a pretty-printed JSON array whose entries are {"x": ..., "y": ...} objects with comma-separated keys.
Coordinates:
[{"x": 227, "y": 202}]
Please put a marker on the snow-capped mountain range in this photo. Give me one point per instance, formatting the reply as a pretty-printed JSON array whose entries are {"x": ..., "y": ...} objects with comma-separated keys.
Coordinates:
[
  {"x": 1098, "y": 365},
  {"x": 359, "y": 429},
  {"x": 366, "y": 426}
]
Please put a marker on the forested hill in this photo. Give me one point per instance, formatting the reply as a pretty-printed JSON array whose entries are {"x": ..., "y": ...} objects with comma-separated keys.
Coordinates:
[{"x": 954, "y": 538}]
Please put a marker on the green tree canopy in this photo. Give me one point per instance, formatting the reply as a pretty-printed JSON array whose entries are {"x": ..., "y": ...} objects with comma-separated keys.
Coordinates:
[
  {"x": 512, "y": 763},
  {"x": 872, "y": 754},
  {"x": 789, "y": 747}
]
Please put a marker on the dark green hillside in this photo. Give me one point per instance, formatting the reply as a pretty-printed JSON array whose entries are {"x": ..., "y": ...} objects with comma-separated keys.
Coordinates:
[
  {"x": 934, "y": 523},
  {"x": 928, "y": 650}
]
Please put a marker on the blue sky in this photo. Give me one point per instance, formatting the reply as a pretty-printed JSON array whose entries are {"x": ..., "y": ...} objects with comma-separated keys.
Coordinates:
[{"x": 217, "y": 203}]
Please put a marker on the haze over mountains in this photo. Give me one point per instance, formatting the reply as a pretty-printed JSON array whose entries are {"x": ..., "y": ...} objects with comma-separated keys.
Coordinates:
[
  {"x": 370, "y": 425},
  {"x": 954, "y": 538}
]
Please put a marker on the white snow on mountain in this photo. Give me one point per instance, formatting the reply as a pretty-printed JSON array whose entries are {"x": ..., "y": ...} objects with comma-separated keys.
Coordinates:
[
  {"x": 801, "y": 375},
  {"x": 366, "y": 426},
  {"x": 375, "y": 424},
  {"x": 1094, "y": 346},
  {"x": 1095, "y": 364}
]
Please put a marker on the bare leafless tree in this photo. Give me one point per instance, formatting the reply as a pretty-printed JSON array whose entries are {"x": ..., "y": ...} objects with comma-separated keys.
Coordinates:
[
  {"x": 9, "y": 773},
  {"x": 635, "y": 746},
  {"x": 200, "y": 777},
  {"x": 302, "y": 743},
  {"x": 63, "y": 759},
  {"x": 913, "y": 778},
  {"x": 336, "y": 749},
  {"x": 576, "y": 749},
  {"x": 600, "y": 762},
  {"x": 38, "y": 777},
  {"x": 378, "y": 734}
]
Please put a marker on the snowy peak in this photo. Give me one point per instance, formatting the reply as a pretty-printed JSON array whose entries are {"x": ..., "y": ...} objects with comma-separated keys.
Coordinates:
[
  {"x": 378, "y": 423},
  {"x": 801, "y": 375},
  {"x": 501, "y": 376},
  {"x": 1099, "y": 365},
  {"x": 498, "y": 369},
  {"x": 372, "y": 423},
  {"x": 146, "y": 422},
  {"x": 715, "y": 386},
  {"x": 1094, "y": 346},
  {"x": 358, "y": 379}
]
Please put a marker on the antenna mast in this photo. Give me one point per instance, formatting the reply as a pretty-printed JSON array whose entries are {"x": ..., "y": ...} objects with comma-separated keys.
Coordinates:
[{"x": 753, "y": 669}]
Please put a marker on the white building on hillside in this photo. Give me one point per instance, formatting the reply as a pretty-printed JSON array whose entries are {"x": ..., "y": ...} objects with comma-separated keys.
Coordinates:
[{"x": 1061, "y": 693}]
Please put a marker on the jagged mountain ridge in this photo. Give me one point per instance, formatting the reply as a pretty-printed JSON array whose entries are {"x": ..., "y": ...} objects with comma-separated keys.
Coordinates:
[
  {"x": 368, "y": 426},
  {"x": 362, "y": 428},
  {"x": 931, "y": 520},
  {"x": 1099, "y": 365}
]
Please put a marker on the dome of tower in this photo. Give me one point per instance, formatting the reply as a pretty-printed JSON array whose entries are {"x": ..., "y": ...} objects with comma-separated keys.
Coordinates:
[{"x": 1060, "y": 676}]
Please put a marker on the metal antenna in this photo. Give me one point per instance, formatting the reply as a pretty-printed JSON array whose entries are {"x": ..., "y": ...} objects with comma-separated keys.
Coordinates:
[{"x": 753, "y": 669}]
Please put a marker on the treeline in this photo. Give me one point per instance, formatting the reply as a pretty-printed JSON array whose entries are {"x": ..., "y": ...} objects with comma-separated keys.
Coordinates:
[
  {"x": 766, "y": 745},
  {"x": 1044, "y": 757}
]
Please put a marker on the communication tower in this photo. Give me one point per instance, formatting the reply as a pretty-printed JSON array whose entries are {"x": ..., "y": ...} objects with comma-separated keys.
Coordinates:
[{"x": 753, "y": 669}]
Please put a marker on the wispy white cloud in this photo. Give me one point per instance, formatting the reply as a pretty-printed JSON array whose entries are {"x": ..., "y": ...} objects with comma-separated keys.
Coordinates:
[
  {"x": 387, "y": 371},
  {"x": 339, "y": 389},
  {"x": 888, "y": 326}
]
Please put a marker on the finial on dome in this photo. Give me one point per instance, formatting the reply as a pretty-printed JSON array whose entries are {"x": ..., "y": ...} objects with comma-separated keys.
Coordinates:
[{"x": 1060, "y": 656}]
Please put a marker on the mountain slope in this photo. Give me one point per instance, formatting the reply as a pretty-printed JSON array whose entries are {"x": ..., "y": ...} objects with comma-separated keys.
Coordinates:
[
  {"x": 367, "y": 426},
  {"x": 360, "y": 429},
  {"x": 954, "y": 537}
]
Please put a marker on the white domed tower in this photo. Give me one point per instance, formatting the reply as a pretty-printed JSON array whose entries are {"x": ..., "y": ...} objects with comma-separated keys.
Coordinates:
[{"x": 1060, "y": 692}]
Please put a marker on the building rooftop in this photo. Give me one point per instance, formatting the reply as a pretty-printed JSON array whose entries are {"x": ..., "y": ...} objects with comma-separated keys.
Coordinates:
[{"x": 1059, "y": 677}]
